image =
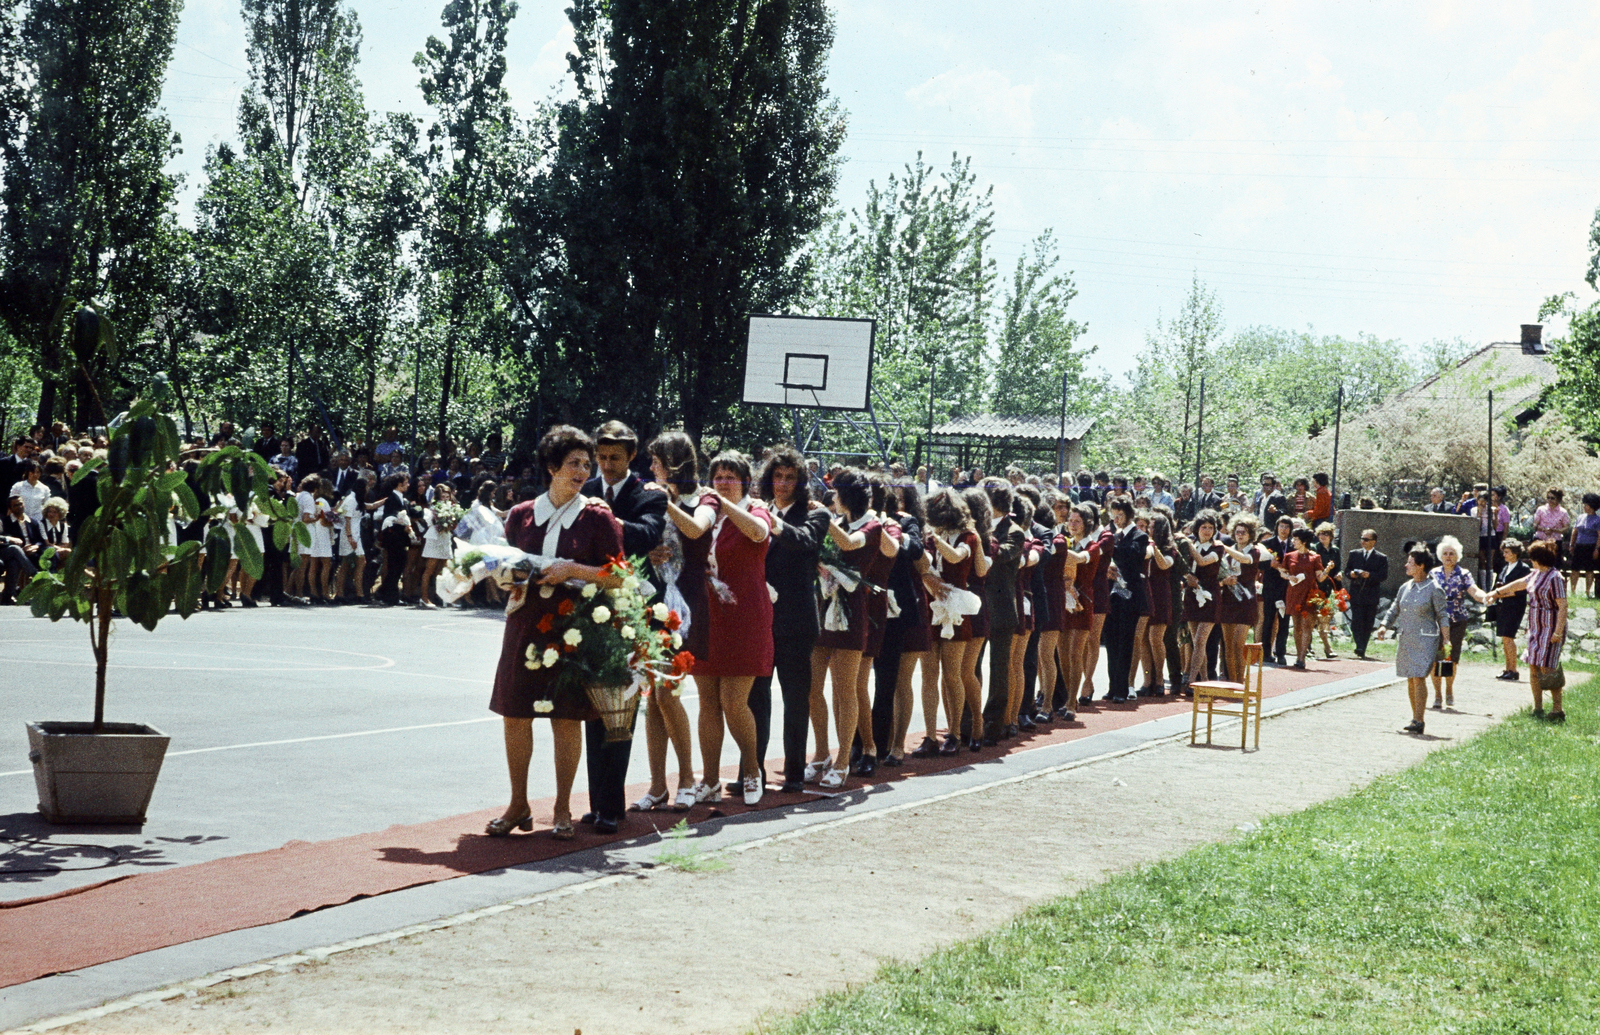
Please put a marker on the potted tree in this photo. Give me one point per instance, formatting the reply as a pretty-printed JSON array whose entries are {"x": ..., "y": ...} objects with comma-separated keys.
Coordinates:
[{"x": 126, "y": 561}]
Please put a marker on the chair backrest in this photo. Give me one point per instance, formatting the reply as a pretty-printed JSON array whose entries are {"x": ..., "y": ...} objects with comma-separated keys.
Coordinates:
[{"x": 1254, "y": 655}]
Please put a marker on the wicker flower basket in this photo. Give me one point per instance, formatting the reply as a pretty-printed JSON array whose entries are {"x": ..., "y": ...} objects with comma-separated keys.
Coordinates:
[{"x": 617, "y": 706}]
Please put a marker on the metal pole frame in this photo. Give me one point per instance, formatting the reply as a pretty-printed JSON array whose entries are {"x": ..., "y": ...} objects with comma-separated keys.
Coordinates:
[
  {"x": 1338, "y": 419},
  {"x": 1199, "y": 432}
]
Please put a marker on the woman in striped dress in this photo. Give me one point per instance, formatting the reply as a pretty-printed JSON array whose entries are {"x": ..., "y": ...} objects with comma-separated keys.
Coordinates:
[{"x": 1547, "y": 622}]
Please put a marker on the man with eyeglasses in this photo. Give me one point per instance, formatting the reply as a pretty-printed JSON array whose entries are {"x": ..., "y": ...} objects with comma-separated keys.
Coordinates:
[{"x": 1366, "y": 571}]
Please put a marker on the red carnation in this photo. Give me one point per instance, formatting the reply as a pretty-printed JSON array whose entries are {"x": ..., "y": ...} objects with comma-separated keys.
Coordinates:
[
  {"x": 546, "y": 623},
  {"x": 673, "y": 621},
  {"x": 566, "y": 607},
  {"x": 569, "y": 648},
  {"x": 683, "y": 663}
]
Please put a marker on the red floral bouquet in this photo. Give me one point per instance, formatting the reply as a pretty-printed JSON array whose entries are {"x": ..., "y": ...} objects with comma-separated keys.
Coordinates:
[{"x": 614, "y": 646}]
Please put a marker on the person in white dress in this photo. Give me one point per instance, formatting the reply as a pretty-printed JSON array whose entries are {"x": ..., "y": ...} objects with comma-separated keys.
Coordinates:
[
  {"x": 352, "y": 551},
  {"x": 437, "y": 542},
  {"x": 311, "y": 576}
]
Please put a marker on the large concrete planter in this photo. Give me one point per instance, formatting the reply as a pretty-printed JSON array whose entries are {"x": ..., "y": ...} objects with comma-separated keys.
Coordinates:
[{"x": 86, "y": 777}]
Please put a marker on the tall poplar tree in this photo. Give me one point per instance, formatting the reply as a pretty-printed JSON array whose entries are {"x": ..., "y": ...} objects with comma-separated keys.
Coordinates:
[
  {"x": 88, "y": 209},
  {"x": 696, "y": 159}
]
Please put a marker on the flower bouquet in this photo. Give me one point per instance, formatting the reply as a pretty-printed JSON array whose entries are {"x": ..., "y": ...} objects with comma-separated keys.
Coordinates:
[
  {"x": 612, "y": 645},
  {"x": 510, "y": 568},
  {"x": 446, "y": 515}
]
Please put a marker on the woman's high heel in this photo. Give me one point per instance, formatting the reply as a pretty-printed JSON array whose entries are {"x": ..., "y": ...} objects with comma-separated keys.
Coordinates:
[{"x": 502, "y": 826}]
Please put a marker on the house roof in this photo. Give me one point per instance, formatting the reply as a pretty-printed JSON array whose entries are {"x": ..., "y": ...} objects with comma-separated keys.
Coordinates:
[
  {"x": 1516, "y": 377},
  {"x": 988, "y": 425}
]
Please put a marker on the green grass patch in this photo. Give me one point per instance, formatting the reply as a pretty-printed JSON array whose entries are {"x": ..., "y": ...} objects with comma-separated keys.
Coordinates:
[
  {"x": 684, "y": 857},
  {"x": 1458, "y": 896}
]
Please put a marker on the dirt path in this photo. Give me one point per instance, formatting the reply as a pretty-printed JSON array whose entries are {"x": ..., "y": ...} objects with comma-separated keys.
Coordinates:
[{"x": 787, "y": 920}]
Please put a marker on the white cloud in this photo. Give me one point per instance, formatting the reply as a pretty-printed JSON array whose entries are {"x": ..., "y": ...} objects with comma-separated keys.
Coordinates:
[{"x": 983, "y": 97}]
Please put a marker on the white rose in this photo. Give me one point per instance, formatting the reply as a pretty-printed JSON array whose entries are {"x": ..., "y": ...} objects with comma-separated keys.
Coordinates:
[
  {"x": 532, "y": 661},
  {"x": 630, "y": 583},
  {"x": 627, "y": 632},
  {"x": 551, "y": 656},
  {"x": 660, "y": 612},
  {"x": 677, "y": 641},
  {"x": 547, "y": 592},
  {"x": 573, "y": 636},
  {"x": 590, "y": 590},
  {"x": 544, "y": 706},
  {"x": 601, "y": 615},
  {"x": 531, "y": 652}
]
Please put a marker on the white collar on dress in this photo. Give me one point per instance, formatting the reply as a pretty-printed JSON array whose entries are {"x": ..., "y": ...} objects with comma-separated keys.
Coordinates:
[
  {"x": 858, "y": 523},
  {"x": 565, "y": 515}
]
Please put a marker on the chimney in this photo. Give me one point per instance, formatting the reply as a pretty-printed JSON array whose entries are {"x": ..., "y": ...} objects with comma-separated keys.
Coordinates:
[{"x": 1533, "y": 339}]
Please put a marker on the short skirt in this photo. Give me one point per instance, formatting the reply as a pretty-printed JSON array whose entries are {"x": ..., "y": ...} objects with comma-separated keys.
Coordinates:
[{"x": 1584, "y": 557}]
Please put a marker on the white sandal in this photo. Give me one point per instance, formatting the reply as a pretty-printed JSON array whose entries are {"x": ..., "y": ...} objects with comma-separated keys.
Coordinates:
[
  {"x": 685, "y": 799},
  {"x": 703, "y": 792},
  {"x": 752, "y": 790},
  {"x": 834, "y": 779},
  {"x": 817, "y": 770},
  {"x": 648, "y": 802}
]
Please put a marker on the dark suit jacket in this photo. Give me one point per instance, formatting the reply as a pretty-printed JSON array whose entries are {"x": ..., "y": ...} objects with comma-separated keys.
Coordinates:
[
  {"x": 1000, "y": 587},
  {"x": 792, "y": 571},
  {"x": 25, "y": 528},
  {"x": 310, "y": 457},
  {"x": 642, "y": 512},
  {"x": 904, "y": 582},
  {"x": 344, "y": 481},
  {"x": 1273, "y": 584},
  {"x": 1366, "y": 590},
  {"x": 1128, "y": 553},
  {"x": 10, "y": 473}
]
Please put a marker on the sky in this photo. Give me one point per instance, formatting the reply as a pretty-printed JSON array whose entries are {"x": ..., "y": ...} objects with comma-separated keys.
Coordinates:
[{"x": 1415, "y": 171}]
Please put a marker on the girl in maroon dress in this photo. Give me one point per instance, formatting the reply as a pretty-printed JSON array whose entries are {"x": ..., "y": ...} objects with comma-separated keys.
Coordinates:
[
  {"x": 954, "y": 546},
  {"x": 1054, "y": 564},
  {"x": 738, "y": 619},
  {"x": 1083, "y": 558},
  {"x": 675, "y": 467},
  {"x": 1205, "y": 552},
  {"x": 1302, "y": 560},
  {"x": 859, "y": 535},
  {"x": 580, "y": 535},
  {"x": 982, "y": 560},
  {"x": 1153, "y": 648},
  {"x": 1238, "y": 616},
  {"x": 878, "y": 566},
  {"x": 1105, "y": 536}
]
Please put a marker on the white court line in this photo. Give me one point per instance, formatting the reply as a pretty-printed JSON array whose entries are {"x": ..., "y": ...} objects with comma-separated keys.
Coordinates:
[{"x": 305, "y": 740}]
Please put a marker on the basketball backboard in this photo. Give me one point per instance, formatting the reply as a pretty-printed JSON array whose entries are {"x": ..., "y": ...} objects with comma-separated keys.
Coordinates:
[{"x": 811, "y": 361}]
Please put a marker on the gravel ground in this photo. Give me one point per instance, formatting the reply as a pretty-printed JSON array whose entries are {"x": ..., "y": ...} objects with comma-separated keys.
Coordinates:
[{"x": 726, "y": 950}]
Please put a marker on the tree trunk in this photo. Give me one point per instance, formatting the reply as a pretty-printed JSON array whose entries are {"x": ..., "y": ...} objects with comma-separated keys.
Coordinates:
[{"x": 100, "y": 617}]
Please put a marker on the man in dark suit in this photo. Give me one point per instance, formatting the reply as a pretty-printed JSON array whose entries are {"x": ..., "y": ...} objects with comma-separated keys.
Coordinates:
[
  {"x": 344, "y": 476},
  {"x": 11, "y": 466},
  {"x": 266, "y": 444},
  {"x": 1128, "y": 599},
  {"x": 1365, "y": 573},
  {"x": 802, "y": 524},
  {"x": 311, "y": 455},
  {"x": 21, "y": 543},
  {"x": 642, "y": 511}
]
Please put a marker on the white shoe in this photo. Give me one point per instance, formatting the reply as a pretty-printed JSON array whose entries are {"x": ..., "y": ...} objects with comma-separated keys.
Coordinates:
[
  {"x": 834, "y": 780},
  {"x": 704, "y": 793},
  {"x": 649, "y": 801},
  {"x": 752, "y": 790},
  {"x": 816, "y": 770},
  {"x": 686, "y": 798}
]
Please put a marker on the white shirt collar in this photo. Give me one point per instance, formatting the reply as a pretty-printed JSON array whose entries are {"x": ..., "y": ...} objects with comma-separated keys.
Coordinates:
[
  {"x": 616, "y": 487},
  {"x": 856, "y": 525}
]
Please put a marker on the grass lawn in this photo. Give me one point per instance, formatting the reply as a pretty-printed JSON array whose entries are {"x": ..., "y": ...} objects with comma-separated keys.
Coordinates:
[{"x": 1459, "y": 896}]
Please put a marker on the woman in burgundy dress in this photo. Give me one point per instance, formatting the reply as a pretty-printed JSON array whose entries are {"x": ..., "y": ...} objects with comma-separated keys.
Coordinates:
[
  {"x": 859, "y": 535},
  {"x": 1236, "y": 613},
  {"x": 1054, "y": 572},
  {"x": 1083, "y": 562},
  {"x": 1304, "y": 561},
  {"x": 954, "y": 546},
  {"x": 1105, "y": 536},
  {"x": 1152, "y": 650},
  {"x": 737, "y": 619},
  {"x": 580, "y": 536},
  {"x": 1205, "y": 553},
  {"x": 878, "y": 566}
]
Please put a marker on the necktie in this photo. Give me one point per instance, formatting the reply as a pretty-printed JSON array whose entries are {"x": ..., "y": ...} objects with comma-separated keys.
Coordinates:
[{"x": 611, "y": 495}]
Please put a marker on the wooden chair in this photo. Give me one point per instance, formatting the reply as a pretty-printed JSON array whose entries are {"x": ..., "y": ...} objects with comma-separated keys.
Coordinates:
[{"x": 1223, "y": 698}]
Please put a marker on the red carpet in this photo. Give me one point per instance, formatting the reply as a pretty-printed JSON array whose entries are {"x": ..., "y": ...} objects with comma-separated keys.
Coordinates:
[{"x": 148, "y": 911}]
